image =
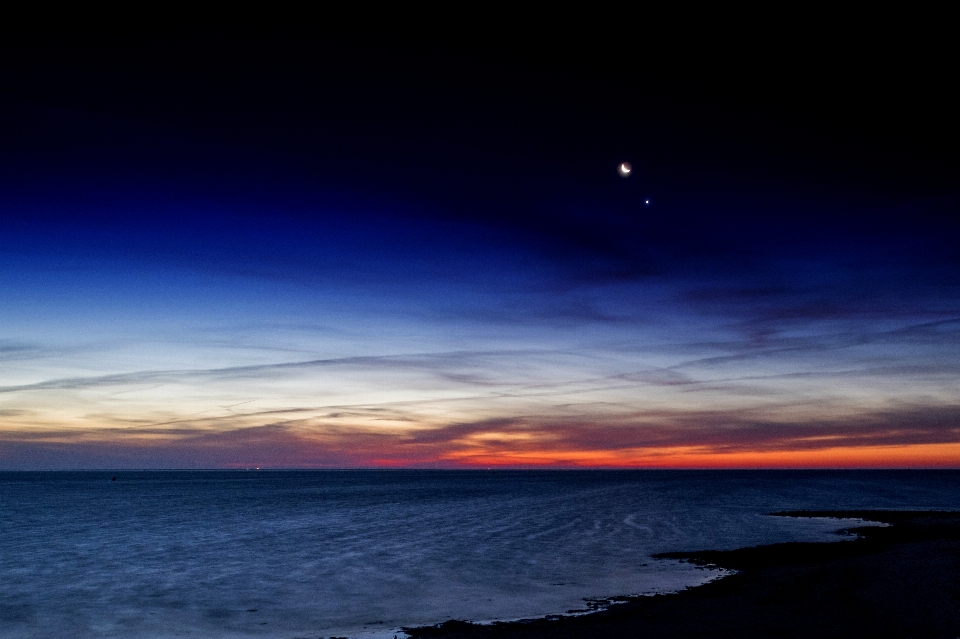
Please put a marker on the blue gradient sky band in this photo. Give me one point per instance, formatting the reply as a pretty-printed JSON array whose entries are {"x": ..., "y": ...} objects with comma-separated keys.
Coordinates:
[{"x": 170, "y": 298}]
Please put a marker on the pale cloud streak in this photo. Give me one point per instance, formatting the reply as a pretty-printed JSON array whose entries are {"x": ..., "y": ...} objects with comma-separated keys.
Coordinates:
[{"x": 613, "y": 372}]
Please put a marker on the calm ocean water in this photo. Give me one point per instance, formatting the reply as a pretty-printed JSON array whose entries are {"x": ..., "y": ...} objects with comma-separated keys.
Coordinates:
[{"x": 320, "y": 553}]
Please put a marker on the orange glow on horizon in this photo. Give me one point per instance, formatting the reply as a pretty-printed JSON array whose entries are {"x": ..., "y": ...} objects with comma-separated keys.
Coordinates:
[
  {"x": 270, "y": 447},
  {"x": 913, "y": 456}
]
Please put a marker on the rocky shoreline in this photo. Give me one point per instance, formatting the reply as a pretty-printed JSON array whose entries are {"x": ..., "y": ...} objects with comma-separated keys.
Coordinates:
[{"x": 899, "y": 580}]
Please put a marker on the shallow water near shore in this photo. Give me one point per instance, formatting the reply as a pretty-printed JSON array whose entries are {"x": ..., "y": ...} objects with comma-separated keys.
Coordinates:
[{"x": 318, "y": 553}]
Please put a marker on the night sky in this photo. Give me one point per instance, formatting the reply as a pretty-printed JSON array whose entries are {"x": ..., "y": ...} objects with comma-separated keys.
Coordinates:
[{"x": 296, "y": 251}]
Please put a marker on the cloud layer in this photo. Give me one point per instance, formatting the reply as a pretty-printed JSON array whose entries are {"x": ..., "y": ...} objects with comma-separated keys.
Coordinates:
[{"x": 312, "y": 254}]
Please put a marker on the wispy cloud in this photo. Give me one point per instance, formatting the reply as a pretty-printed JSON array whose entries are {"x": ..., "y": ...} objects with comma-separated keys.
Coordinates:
[
  {"x": 439, "y": 362},
  {"x": 12, "y": 350},
  {"x": 348, "y": 438}
]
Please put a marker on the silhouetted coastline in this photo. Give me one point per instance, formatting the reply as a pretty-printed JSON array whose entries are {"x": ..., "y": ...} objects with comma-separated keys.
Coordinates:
[{"x": 902, "y": 580}]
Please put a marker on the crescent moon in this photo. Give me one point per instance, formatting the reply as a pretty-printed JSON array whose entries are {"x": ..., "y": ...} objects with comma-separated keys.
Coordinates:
[{"x": 625, "y": 168}]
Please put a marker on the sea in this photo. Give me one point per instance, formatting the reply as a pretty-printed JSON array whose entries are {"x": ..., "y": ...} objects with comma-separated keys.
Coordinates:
[{"x": 364, "y": 553}]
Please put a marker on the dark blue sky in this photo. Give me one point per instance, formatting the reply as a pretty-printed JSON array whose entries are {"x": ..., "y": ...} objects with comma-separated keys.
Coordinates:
[{"x": 294, "y": 251}]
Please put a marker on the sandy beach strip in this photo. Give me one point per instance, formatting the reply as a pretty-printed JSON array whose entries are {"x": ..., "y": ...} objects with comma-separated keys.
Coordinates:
[{"x": 901, "y": 580}]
